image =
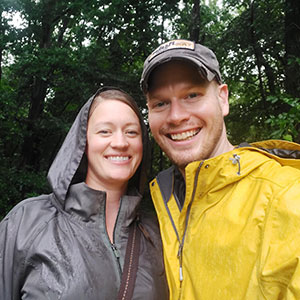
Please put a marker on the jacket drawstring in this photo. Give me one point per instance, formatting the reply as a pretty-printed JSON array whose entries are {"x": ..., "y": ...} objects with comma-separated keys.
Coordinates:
[
  {"x": 236, "y": 160},
  {"x": 181, "y": 241}
]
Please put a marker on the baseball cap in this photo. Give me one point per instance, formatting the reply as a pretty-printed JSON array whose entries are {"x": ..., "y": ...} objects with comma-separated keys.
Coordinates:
[{"x": 201, "y": 56}]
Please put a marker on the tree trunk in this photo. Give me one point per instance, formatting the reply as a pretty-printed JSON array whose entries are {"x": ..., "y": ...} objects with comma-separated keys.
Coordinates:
[
  {"x": 292, "y": 47},
  {"x": 195, "y": 24},
  {"x": 292, "y": 54},
  {"x": 1, "y": 46},
  {"x": 30, "y": 147},
  {"x": 257, "y": 54},
  {"x": 1, "y": 51}
]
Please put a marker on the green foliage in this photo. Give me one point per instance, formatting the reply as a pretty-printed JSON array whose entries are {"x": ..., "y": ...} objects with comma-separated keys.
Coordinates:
[
  {"x": 16, "y": 184},
  {"x": 65, "y": 50},
  {"x": 285, "y": 124}
]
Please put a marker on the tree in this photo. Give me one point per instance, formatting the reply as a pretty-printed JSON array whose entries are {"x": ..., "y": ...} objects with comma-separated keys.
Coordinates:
[
  {"x": 65, "y": 50},
  {"x": 62, "y": 54}
]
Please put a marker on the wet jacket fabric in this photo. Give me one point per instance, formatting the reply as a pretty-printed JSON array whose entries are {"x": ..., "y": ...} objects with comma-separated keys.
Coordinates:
[
  {"x": 238, "y": 231},
  {"x": 56, "y": 246}
]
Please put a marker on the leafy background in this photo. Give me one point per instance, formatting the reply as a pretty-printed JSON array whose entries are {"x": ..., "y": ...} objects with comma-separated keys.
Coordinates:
[{"x": 60, "y": 52}]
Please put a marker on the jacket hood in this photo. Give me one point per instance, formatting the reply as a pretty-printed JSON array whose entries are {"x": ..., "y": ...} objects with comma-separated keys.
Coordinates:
[
  {"x": 238, "y": 163},
  {"x": 287, "y": 153},
  {"x": 70, "y": 164}
]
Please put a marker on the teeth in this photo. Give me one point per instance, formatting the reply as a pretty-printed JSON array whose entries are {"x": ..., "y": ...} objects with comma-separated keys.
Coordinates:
[
  {"x": 184, "y": 135},
  {"x": 118, "y": 158}
]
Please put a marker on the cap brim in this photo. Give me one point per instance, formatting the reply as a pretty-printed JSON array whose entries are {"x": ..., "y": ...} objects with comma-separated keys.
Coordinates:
[{"x": 203, "y": 70}]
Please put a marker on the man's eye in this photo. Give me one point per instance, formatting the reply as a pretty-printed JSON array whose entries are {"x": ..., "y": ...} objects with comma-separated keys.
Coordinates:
[
  {"x": 158, "y": 105},
  {"x": 192, "y": 95}
]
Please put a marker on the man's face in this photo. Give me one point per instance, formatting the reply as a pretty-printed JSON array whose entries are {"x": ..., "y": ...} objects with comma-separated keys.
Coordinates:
[{"x": 186, "y": 113}]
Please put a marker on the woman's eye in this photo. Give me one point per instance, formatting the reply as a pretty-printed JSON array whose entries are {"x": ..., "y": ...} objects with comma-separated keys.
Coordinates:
[
  {"x": 104, "y": 132},
  {"x": 132, "y": 132}
]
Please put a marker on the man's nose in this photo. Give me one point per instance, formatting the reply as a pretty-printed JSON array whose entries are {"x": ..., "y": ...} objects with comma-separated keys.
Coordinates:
[{"x": 177, "y": 112}]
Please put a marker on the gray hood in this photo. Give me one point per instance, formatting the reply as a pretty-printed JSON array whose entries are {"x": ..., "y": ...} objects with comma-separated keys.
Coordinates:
[{"x": 70, "y": 165}]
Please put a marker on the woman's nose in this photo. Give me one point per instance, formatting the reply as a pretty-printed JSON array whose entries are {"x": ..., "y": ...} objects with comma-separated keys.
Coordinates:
[{"x": 119, "y": 140}]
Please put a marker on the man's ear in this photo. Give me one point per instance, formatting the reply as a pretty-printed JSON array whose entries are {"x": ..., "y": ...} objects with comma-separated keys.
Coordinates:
[{"x": 223, "y": 98}]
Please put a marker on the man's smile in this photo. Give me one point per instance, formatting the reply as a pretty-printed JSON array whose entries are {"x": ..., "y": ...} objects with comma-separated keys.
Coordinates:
[{"x": 184, "y": 135}]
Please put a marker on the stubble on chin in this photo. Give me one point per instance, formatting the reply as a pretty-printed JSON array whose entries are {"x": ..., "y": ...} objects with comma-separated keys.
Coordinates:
[{"x": 182, "y": 159}]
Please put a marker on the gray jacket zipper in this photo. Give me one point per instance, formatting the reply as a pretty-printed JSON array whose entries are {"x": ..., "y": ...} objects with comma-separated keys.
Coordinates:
[
  {"x": 181, "y": 241},
  {"x": 117, "y": 255},
  {"x": 112, "y": 245}
]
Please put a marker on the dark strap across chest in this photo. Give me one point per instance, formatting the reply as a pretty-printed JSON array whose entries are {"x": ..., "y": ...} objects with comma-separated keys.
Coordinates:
[{"x": 131, "y": 263}]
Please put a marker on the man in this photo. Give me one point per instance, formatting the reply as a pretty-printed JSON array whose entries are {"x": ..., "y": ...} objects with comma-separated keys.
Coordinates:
[{"x": 229, "y": 215}]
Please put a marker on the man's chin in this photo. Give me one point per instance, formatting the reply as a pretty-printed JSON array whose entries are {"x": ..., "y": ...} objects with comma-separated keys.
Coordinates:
[
  {"x": 178, "y": 158},
  {"x": 179, "y": 161}
]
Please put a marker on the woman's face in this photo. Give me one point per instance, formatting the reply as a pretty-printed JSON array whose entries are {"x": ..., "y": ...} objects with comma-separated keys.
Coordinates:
[{"x": 114, "y": 145}]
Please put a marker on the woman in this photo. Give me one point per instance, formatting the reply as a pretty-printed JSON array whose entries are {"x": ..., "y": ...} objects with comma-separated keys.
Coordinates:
[{"x": 71, "y": 244}]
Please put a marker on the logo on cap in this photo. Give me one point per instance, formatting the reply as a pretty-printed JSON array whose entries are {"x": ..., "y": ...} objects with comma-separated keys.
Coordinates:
[{"x": 174, "y": 44}]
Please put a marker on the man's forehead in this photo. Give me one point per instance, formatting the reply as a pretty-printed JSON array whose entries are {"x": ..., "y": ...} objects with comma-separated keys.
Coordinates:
[{"x": 175, "y": 72}]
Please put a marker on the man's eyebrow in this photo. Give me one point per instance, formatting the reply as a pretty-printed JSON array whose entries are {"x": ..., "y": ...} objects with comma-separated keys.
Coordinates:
[
  {"x": 154, "y": 96},
  {"x": 153, "y": 99}
]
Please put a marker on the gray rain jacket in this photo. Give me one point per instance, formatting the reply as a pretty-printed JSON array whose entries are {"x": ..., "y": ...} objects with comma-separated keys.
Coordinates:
[{"x": 56, "y": 246}]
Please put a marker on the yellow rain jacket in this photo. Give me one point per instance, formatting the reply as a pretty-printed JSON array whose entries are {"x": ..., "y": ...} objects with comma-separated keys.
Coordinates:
[{"x": 237, "y": 235}]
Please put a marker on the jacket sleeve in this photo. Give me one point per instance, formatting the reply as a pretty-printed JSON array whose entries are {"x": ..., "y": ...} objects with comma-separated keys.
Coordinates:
[
  {"x": 10, "y": 260},
  {"x": 280, "y": 257}
]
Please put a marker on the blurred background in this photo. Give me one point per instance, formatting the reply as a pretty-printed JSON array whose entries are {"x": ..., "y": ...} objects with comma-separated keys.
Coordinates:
[{"x": 55, "y": 54}]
